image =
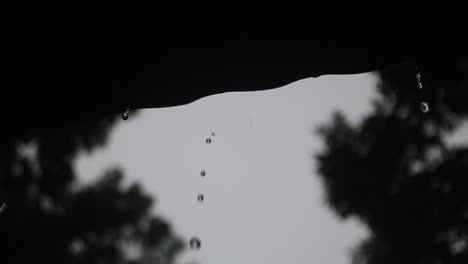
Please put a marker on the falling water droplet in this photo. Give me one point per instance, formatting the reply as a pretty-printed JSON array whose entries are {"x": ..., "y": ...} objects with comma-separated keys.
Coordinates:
[
  {"x": 3, "y": 208},
  {"x": 418, "y": 76},
  {"x": 195, "y": 243},
  {"x": 208, "y": 140},
  {"x": 424, "y": 107},
  {"x": 213, "y": 134},
  {"x": 420, "y": 86},
  {"x": 203, "y": 173},
  {"x": 200, "y": 198},
  {"x": 125, "y": 114}
]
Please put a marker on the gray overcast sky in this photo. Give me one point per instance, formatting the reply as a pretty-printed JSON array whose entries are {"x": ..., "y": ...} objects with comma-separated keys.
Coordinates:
[{"x": 263, "y": 200}]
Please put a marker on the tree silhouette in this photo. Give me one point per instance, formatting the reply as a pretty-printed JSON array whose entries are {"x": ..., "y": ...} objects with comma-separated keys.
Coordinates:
[
  {"x": 48, "y": 219},
  {"x": 395, "y": 172}
]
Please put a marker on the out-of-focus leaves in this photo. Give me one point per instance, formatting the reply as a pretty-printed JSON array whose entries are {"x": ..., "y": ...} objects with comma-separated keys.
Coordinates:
[
  {"x": 395, "y": 172},
  {"x": 50, "y": 220}
]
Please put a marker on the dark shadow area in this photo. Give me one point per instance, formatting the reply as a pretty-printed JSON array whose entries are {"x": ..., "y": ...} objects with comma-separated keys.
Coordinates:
[
  {"x": 395, "y": 172},
  {"x": 47, "y": 218}
]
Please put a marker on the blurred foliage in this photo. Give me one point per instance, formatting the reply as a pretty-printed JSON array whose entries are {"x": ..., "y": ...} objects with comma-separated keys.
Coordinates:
[
  {"x": 49, "y": 219},
  {"x": 395, "y": 172}
]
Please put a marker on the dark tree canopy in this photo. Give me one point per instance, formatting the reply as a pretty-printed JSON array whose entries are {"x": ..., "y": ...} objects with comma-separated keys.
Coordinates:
[
  {"x": 49, "y": 219},
  {"x": 395, "y": 172}
]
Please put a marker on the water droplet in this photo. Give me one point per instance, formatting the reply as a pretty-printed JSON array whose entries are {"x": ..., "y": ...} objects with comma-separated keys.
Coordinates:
[
  {"x": 424, "y": 107},
  {"x": 212, "y": 134},
  {"x": 420, "y": 86},
  {"x": 418, "y": 76},
  {"x": 3, "y": 208},
  {"x": 125, "y": 114},
  {"x": 208, "y": 140},
  {"x": 76, "y": 246},
  {"x": 200, "y": 198},
  {"x": 203, "y": 173},
  {"x": 195, "y": 243}
]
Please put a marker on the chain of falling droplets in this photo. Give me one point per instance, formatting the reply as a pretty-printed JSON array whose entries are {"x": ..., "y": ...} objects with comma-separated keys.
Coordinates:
[
  {"x": 195, "y": 242},
  {"x": 424, "y": 106}
]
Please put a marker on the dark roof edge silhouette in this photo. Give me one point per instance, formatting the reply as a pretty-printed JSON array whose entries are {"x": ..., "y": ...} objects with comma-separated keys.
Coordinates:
[{"x": 59, "y": 67}]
